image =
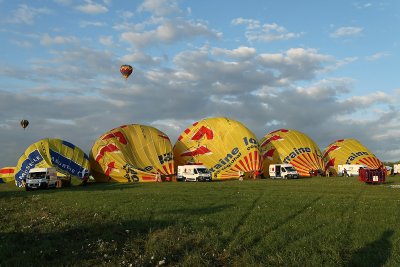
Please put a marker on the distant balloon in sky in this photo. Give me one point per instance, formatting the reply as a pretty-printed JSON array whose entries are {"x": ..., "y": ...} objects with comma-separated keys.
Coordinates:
[
  {"x": 292, "y": 147},
  {"x": 223, "y": 145},
  {"x": 64, "y": 156},
  {"x": 126, "y": 70},
  {"x": 132, "y": 153},
  {"x": 24, "y": 123},
  {"x": 349, "y": 151}
]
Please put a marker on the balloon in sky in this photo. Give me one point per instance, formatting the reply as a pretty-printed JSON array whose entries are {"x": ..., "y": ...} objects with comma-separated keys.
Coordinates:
[
  {"x": 132, "y": 153},
  {"x": 293, "y": 147},
  {"x": 64, "y": 156},
  {"x": 7, "y": 174},
  {"x": 24, "y": 123},
  {"x": 126, "y": 70},
  {"x": 349, "y": 151},
  {"x": 223, "y": 145}
]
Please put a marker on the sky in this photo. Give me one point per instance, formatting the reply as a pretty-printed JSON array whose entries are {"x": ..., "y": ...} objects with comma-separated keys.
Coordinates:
[{"x": 328, "y": 69}]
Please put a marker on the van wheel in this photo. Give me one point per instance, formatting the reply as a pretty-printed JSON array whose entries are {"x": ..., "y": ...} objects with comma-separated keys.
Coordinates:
[{"x": 183, "y": 179}]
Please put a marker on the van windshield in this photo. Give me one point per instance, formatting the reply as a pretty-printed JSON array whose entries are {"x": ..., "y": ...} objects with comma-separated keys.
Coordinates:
[
  {"x": 203, "y": 170},
  {"x": 37, "y": 175},
  {"x": 290, "y": 169}
]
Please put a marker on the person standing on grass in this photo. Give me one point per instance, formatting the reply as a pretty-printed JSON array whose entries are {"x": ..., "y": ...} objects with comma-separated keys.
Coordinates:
[
  {"x": 241, "y": 175},
  {"x": 158, "y": 177},
  {"x": 85, "y": 179},
  {"x": 255, "y": 174}
]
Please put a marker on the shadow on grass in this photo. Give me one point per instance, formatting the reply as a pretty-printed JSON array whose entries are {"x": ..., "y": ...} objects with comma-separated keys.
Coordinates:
[
  {"x": 200, "y": 211},
  {"x": 236, "y": 241},
  {"x": 20, "y": 192},
  {"x": 72, "y": 246},
  {"x": 80, "y": 243},
  {"x": 375, "y": 253}
]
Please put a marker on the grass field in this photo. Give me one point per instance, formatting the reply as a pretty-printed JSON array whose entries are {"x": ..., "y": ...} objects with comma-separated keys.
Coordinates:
[{"x": 306, "y": 222}]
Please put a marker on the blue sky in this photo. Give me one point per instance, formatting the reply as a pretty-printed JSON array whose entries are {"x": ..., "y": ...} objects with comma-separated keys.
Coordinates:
[{"x": 325, "y": 68}]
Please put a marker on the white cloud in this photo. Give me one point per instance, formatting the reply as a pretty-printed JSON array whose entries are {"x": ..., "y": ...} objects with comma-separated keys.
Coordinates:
[
  {"x": 64, "y": 2},
  {"x": 369, "y": 100},
  {"x": 84, "y": 24},
  {"x": 362, "y": 5},
  {"x": 47, "y": 40},
  {"x": 346, "y": 31},
  {"x": 296, "y": 63},
  {"x": 92, "y": 8},
  {"x": 169, "y": 32},
  {"x": 106, "y": 40},
  {"x": 242, "y": 52},
  {"x": 127, "y": 14},
  {"x": 142, "y": 59},
  {"x": 26, "y": 14},
  {"x": 23, "y": 44},
  {"x": 377, "y": 56},
  {"x": 266, "y": 32},
  {"x": 250, "y": 23},
  {"x": 160, "y": 7}
]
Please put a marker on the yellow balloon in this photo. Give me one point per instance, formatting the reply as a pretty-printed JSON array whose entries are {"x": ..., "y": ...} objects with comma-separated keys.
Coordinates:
[
  {"x": 223, "y": 145},
  {"x": 7, "y": 174},
  {"x": 349, "y": 151},
  {"x": 292, "y": 147},
  {"x": 66, "y": 157},
  {"x": 132, "y": 153}
]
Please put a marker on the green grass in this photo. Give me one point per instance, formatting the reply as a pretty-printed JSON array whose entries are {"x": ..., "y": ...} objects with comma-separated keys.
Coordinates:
[{"x": 307, "y": 222}]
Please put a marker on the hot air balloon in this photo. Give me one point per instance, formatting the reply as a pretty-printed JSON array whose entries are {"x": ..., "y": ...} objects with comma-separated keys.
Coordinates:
[
  {"x": 7, "y": 174},
  {"x": 24, "y": 123},
  {"x": 132, "y": 153},
  {"x": 349, "y": 151},
  {"x": 126, "y": 70},
  {"x": 223, "y": 145},
  {"x": 293, "y": 147},
  {"x": 64, "y": 156}
]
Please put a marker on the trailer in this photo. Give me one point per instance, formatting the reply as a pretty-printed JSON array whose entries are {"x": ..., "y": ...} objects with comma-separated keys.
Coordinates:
[
  {"x": 396, "y": 168},
  {"x": 372, "y": 176}
]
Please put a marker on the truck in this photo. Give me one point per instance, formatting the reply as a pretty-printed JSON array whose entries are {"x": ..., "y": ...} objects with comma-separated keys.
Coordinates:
[
  {"x": 283, "y": 171},
  {"x": 193, "y": 173},
  {"x": 41, "y": 178},
  {"x": 352, "y": 169},
  {"x": 396, "y": 168}
]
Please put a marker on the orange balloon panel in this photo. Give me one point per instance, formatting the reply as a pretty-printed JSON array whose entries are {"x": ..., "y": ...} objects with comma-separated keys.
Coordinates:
[
  {"x": 349, "y": 151},
  {"x": 7, "y": 174},
  {"x": 223, "y": 145},
  {"x": 293, "y": 147},
  {"x": 131, "y": 153}
]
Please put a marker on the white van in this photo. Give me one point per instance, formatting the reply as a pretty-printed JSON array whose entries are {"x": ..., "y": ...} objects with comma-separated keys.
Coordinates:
[
  {"x": 396, "y": 169},
  {"x": 41, "y": 178},
  {"x": 283, "y": 171},
  {"x": 194, "y": 173},
  {"x": 352, "y": 169}
]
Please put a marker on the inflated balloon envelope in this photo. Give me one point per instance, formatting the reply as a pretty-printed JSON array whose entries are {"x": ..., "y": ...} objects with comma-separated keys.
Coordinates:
[
  {"x": 7, "y": 174},
  {"x": 291, "y": 147},
  {"x": 132, "y": 153},
  {"x": 66, "y": 157},
  {"x": 223, "y": 145},
  {"x": 349, "y": 151}
]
